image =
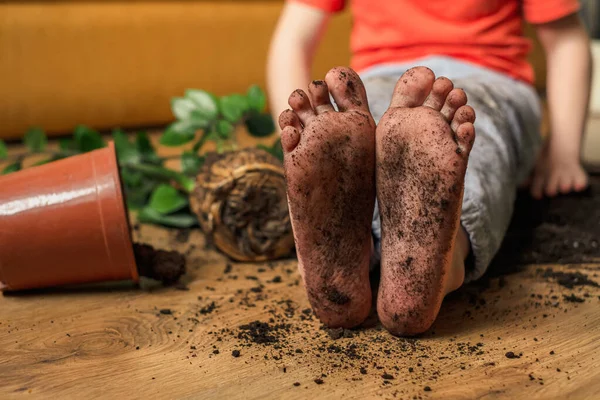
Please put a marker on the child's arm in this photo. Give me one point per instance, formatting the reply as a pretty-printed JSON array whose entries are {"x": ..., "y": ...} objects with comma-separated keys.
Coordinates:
[
  {"x": 291, "y": 53},
  {"x": 567, "y": 48}
]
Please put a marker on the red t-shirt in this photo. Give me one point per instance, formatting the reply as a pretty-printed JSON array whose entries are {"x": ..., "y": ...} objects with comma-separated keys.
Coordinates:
[{"x": 484, "y": 32}]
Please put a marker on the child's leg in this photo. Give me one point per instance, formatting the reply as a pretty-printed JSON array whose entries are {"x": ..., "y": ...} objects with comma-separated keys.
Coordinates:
[{"x": 508, "y": 140}]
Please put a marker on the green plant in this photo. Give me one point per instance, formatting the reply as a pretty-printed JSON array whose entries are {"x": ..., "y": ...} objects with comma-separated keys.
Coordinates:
[
  {"x": 160, "y": 194},
  {"x": 217, "y": 118}
]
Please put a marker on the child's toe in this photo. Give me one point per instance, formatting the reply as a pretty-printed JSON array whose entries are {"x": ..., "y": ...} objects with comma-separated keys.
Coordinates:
[
  {"x": 462, "y": 115},
  {"x": 347, "y": 89},
  {"x": 441, "y": 87},
  {"x": 413, "y": 87},
  {"x": 319, "y": 97},
  {"x": 301, "y": 105},
  {"x": 456, "y": 99}
]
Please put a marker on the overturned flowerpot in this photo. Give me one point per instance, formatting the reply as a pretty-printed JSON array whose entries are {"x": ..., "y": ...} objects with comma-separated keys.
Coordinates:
[
  {"x": 65, "y": 223},
  {"x": 241, "y": 204}
]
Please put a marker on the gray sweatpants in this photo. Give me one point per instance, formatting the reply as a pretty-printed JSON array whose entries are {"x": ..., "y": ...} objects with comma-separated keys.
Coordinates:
[{"x": 507, "y": 141}]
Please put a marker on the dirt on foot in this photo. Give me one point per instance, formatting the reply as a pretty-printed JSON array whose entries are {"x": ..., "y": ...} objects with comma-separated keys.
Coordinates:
[
  {"x": 422, "y": 145},
  {"x": 329, "y": 163}
]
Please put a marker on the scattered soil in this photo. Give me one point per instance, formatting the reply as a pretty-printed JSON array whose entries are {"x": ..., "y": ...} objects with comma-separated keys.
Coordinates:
[
  {"x": 570, "y": 279},
  {"x": 208, "y": 309},
  {"x": 228, "y": 268},
  {"x": 564, "y": 230},
  {"x": 542, "y": 232},
  {"x": 263, "y": 332},
  {"x": 164, "y": 266},
  {"x": 573, "y": 299},
  {"x": 339, "y": 333}
]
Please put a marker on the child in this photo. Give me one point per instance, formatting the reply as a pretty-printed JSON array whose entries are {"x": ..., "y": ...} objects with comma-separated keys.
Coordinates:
[{"x": 436, "y": 223}]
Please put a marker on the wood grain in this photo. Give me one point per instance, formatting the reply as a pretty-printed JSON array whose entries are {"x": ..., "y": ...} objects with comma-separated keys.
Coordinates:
[{"x": 111, "y": 341}]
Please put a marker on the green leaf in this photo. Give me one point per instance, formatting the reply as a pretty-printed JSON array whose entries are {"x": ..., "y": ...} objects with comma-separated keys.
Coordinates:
[
  {"x": 191, "y": 162},
  {"x": 198, "y": 120},
  {"x": 182, "y": 108},
  {"x": 146, "y": 149},
  {"x": 256, "y": 98},
  {"x": 14, "y": 167},
  {"x": 137, "y": 197},
  {"x": 260, "y": 125},
  {"x": 178, "y": 133},
  {"x": 127, "y": 152},
  {"x": 181, "y": 220},
  {"x": 66, "y": 144},
  {"x": 224, "y": 129},
  {"x": 233, "y": 107},
  {"x": 166, "y": 199},
  {"x": 158, "y": 172},
  {"x": 206, "y": 103},
  {"x": 132, "y": 179},
  {"x": 87, "y": 139},
  {"x": 3, "y": 150},
  {"x": 35, "y": 139}
]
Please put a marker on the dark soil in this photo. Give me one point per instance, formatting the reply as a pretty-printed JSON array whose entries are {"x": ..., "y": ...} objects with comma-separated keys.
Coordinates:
[
  {"x": 263, "y": 332},
  {"x": 164, "y": 266},
  {"x": 208, "y": 309},
  {"x": 573, "y": 299},
  {"x": 570, "y": 279},
  {"x": 563, "y": 230},
  {"x": 336, "y": 333}
]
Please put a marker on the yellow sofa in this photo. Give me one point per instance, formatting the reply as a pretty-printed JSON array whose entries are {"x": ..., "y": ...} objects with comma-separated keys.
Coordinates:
[{"x": 117, "y": 63}]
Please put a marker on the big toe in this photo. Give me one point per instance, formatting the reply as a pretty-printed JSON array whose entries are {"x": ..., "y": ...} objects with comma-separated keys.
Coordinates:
[
  {"x": 347, "y": 89},
  {"x": 413, "y": 87}
]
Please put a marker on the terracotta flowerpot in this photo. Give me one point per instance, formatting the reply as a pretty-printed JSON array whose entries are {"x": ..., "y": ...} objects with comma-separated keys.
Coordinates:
[{"x": 65, "y": 223}]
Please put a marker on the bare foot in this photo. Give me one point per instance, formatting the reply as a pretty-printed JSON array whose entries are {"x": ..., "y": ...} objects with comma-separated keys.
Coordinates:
[
  {"x": 422, "y": 145},
  {"x": 330, "y": 173}
]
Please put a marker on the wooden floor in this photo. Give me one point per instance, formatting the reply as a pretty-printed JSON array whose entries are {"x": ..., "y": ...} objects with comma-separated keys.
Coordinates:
[
  {"x": 119, "y": 341},
  {"x": 113, "y": 341}
]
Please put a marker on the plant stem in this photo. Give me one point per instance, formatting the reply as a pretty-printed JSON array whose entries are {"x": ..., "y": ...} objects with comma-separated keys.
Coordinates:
[{"x": 186, "y": 183}]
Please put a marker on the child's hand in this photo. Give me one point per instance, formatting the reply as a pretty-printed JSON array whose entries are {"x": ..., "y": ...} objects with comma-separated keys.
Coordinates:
[{"x": 557, "y": 171}]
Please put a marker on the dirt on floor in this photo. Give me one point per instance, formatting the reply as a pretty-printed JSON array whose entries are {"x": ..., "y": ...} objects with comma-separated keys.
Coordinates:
[{"x": 563, "y": 230}]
